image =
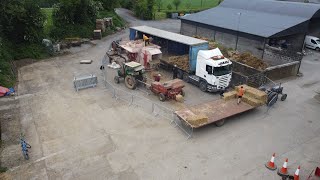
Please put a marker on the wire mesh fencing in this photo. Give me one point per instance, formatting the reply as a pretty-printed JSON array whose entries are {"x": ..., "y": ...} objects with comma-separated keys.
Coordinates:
[{"x": 145, "y": 104}]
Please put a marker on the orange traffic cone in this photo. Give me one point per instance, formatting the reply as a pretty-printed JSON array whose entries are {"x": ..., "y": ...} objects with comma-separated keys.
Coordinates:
[
  {"x": 270, "y": 165},
  {"x": 283, "y": 171},
  {"x": 296, "y": 174}
]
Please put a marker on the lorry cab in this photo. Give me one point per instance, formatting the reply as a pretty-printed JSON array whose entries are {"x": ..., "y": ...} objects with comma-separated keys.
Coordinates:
[
  {"x": 214, "y": 69},
  {"x": 312, "y": 42}
]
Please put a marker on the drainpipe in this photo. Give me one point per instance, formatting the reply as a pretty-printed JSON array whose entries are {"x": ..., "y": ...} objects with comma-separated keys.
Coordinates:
[{"x": 239, "y": 16}]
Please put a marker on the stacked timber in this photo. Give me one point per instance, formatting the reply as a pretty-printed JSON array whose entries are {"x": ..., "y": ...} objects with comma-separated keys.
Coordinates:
[
  {"x": 197, "y": 120},
  {"x": 97, "y": 34},
  {"x": 100, "y": 24}
]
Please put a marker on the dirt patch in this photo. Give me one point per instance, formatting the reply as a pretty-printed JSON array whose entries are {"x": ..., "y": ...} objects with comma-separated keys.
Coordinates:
[{"x": 10, "y": 128}]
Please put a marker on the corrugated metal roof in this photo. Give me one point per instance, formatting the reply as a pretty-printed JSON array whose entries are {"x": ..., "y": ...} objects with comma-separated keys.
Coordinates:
[
  {"x": 260, "y": 17},
  {"x": 169, "y": 35}
]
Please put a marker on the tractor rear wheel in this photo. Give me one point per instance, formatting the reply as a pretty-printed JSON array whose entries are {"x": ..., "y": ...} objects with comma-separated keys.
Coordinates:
[
  {"x": 130, "y": 82},
  {"x": 117, "y": 79},
  {"x": 162, "y": 97}
]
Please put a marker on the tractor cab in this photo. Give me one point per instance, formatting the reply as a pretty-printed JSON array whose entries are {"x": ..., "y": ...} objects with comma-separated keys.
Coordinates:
[{"x": 131, "y": 72}]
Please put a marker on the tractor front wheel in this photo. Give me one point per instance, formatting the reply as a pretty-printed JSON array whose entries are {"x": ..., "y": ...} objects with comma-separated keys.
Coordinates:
[
  {"x": 283, "y": 97},
  {"x": 130, "y": 82},
  {"x": 162, "y": 97},
  {"x": 117, "y": 79}
]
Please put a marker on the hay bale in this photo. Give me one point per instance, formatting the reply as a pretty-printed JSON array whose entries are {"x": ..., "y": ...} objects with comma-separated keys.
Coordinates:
[
  {"x": 197, "y": 120},
  {"x": 179, "y": 98},
  {"x": 252, "y": 101},
  {"x": 253, "y": 92},
  {"x": 229, "y": 95}
]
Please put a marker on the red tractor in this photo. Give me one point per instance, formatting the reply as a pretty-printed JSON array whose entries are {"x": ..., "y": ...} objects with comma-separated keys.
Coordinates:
[{"x": 168, "y": 90}]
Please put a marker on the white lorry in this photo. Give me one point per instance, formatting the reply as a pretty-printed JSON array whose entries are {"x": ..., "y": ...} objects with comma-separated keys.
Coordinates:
[{"x": 212, "y": 72}]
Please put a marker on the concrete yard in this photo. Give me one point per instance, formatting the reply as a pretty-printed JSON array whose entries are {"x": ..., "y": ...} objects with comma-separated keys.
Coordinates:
[{"x": 90, "y": 135}]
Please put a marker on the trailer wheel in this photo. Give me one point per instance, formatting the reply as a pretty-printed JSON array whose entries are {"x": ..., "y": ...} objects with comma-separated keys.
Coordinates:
[
  {"x": 117, "y": 79},
  {"x": 162, "y": 97},
  {"x": 186, "y": 77},
  {"x": 219, "y": 123},
  {"x": 203, "y": 86},
  {"x": 182, "y": 93},
  {"x": 283, "y": 97}
]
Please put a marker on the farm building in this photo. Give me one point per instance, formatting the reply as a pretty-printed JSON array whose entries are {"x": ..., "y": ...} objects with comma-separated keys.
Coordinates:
[{"x": 271, "y": 30}]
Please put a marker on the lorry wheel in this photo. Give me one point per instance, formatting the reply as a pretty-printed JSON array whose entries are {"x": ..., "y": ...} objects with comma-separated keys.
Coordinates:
[
  {"x": 180, "y": 74},
  {"x": 186, "y": 77},
  {"x": 317, "y": 49},
  {"x": 117, "y": 79},
  {"x": 162, "y": 97},
  {"x": 283, "y": 97},
  {"x": 219, "y": 123},
  {"x": 130, "y": 82},
  {"x": 203, "y": 86}
]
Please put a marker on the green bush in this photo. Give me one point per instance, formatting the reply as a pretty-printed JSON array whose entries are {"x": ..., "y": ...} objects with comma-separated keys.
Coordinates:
[
  {"x": 160, "y": 15},
  {"x": 117, "y": 20}
]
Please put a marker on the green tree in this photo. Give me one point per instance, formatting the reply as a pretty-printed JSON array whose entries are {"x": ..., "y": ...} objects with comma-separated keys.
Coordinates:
[
  {"x": 169, "y": 7},
  {"x": 128, "y": 4},
  {"x": 188, "y": 5},
  {"x": 144, "y": 9},
  {"x": 176, "y": 3},
  {"x": 159, "y": 4},
  {"x": 109, "y": 5},
  {"x": 21, "y": 21},
  {"x": 74, "y": 18}
]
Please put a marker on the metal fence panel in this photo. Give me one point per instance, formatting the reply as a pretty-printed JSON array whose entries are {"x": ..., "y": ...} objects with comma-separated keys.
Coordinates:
[{"x": 85, "y": 81}]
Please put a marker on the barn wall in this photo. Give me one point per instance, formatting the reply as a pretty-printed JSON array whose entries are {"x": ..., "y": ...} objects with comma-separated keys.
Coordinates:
[
  {"x": 188, "y": 29},
  {"x": 252, "y": 45}
]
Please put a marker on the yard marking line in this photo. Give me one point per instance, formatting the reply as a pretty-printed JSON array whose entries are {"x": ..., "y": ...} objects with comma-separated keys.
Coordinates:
[
  {"x": 50, "y": 155},
  {"x": 38, "y": 160}
]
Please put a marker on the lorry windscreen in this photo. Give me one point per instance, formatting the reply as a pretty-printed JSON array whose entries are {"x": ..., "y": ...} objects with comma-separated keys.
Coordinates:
[{"x": 219, "y": 71}]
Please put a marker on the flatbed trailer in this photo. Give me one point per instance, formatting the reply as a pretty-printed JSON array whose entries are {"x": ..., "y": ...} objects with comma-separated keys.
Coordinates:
[{"x": 216, "y": 111}]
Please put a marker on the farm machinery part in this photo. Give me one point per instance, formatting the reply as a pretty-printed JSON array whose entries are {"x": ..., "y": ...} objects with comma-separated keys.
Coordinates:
[{"x": 131, "y": 72}]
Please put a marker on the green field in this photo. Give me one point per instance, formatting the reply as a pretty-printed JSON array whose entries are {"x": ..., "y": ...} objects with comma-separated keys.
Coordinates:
[{"x": 195, "y": 4}]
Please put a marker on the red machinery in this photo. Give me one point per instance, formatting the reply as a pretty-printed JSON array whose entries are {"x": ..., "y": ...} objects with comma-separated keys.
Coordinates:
[{"x": 168, "y": 90}]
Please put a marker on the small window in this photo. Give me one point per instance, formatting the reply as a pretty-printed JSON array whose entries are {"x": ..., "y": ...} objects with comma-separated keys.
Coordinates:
[
  {"x": 313, "y": 41},
  {"x": 209, "y": 69}
]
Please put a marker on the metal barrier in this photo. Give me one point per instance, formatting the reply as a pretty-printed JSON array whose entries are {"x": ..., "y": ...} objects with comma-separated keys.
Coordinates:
[
  {"x": 85, "y": 81},
  {"x": 146, "y": 105}
]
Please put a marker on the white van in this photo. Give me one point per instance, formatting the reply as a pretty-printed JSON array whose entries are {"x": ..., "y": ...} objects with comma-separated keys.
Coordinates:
[{"x": 312, "y": 42}]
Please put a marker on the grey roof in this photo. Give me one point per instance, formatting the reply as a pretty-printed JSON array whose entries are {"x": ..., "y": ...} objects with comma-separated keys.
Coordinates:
[
  {"x": 169, "y": 35},
  {"x": 263, "y": 18}
]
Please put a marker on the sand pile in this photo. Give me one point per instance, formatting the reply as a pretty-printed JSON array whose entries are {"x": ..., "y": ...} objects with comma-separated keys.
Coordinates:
[
  {"x": 248, "y": 59},
  {"x": 181, "y": 61}
]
